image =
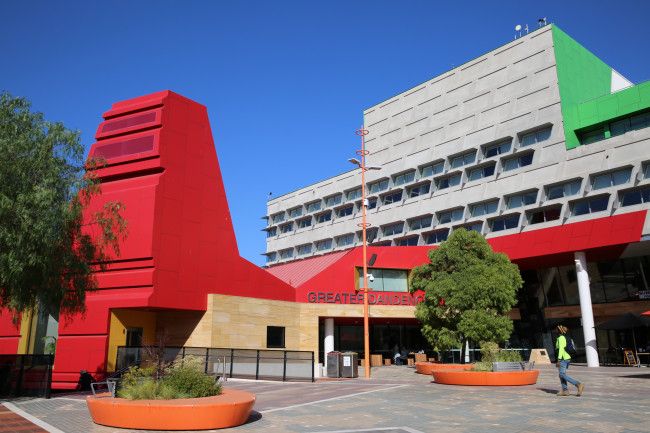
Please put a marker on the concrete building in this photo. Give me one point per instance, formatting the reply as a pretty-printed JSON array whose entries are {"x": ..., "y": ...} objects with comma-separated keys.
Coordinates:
[{"x": 535, "y": 135}]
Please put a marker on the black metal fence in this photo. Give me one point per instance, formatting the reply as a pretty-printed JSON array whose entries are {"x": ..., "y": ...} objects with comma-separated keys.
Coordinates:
[
  {"x": 25, "y": 375},
  {"x": 285, "y": 365}
]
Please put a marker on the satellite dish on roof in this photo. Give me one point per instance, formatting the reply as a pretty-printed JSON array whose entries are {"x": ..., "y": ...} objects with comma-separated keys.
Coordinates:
[{"x": 517, "y": 27}]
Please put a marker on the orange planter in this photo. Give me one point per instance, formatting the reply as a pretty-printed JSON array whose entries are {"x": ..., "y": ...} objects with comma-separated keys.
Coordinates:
[
  {"x": 486, "y": 378},
  {"x": 230, "y": 409},
  {"x": 430, "y": 367}
]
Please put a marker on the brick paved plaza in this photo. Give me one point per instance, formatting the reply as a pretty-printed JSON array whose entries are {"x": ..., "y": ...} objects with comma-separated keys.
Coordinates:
[{"x": 397, "y": 400}]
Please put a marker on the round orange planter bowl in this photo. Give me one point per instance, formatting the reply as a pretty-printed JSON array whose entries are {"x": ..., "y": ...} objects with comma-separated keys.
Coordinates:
[
  {"x": 486, "y": 378},
  {"x": 430, "y": 367},
  {"x": 229, "y": 409}
]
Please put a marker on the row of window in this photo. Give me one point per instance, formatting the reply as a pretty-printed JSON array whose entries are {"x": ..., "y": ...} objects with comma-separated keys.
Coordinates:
[
  {"x": 579, "y": 207},
  {"x": 429, "y": 170},
  {"x": 612, "y": 129},
  {"x": 565, "y": 189}
]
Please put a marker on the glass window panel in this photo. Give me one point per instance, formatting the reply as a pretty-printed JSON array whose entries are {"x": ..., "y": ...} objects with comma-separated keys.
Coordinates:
[
  {"x": 491, "y": 207},
  {"x": 613, "y": 278},
  {"x": 528, "y": 139},
  {"x": 324, "y": 245},
  {"x": 599, "y": 204},
  {"x": 270, "y": 257},
  {"x": 573, "y": 188},
  {"x": 646, "y": 171},
  {"x": 395, "y": 280},
  {"x": 457, "y": 214},
  {"x": 530, "y": 197},
  {"x": 525, "y": 160},
  {"x": 630, "y": 198},
  {"x": 555, "y": 192},
  {"x": 515, "y": 201},
  {"x": 326, "y": 216},
  {"x": 475, "y": 174},
  {"x": 552, "y": 214},
  {"x": 619, "y": 127},
  {"x": 570, "y": 285},
  {"x": 552, "y": 287},
  {"x": 581, "y": 207},
  {"x": 621, "y": 176},
  {"x": 592, "y": 136},
  {"x": 454, "y": 180},
  {"x": 510, "y": 164},
  {"x": 489, "y": 170},
  {"x": 312, "y": 207},
  {"x": 602, "y": 181},
  {"x": 639, "y": 121},
  {"x": 543, "y": 134}
]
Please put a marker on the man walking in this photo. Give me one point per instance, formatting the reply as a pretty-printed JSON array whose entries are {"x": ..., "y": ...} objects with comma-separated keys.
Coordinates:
[{"x": 563, "y": 361}]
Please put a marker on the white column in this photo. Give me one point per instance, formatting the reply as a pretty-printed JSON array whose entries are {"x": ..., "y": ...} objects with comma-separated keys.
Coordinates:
[
  {"x": 586, "y": 309},
  {"x": 328, "y": 343}
]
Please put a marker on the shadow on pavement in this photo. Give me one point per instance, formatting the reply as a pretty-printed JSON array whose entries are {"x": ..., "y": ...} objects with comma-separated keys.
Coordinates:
[
  {"x": 548, "y": 390},
  {"x": 255, "y": 416}
]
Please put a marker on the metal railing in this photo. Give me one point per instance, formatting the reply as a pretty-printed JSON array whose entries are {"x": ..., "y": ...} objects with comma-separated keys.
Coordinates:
[
  {"x": 26, "y": 375},
  {"x": 285, "y": 365},
  {"x": 454, "y": 355}
]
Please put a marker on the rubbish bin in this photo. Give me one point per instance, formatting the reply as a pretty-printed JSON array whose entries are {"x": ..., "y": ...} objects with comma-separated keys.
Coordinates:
[
  {"x": 333, "y": 364},
  {"x": 350, "y": 364}
]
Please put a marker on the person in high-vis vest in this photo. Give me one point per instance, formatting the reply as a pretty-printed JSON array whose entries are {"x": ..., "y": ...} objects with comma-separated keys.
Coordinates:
[{"x": 563, "y": 361}]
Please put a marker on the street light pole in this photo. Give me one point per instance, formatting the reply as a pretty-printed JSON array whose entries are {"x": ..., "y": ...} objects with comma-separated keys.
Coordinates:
[{"x": 366, "y": 331}]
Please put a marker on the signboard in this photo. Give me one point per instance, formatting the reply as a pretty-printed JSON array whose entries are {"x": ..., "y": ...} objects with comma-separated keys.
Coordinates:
[
  {"x": 630, "y": 359},
  {"x": 644, "y": 294},
  {"x": 374, "y": 298},
  {"x": 347, "y": 361}
]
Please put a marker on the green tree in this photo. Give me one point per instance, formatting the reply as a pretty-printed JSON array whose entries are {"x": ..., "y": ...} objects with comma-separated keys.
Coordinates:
[
  {"x": 47, "y": 256},
  {"x": 469, "y": 290}
]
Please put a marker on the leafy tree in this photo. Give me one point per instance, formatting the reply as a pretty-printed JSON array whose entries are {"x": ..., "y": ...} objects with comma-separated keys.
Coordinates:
[
  {"x": 469, "y": 290},
  {"x": 47, "y": 255}
]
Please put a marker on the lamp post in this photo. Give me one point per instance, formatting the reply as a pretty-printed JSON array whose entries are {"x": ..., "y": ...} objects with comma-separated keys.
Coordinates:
[{"x": 364, "y": 225}]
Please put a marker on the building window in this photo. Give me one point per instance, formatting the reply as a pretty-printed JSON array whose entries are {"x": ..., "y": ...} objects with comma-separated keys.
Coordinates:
[
  {"x": 305, "y": 222},
  {"x": 518, "y": 161},
  {"x": 635, "y": 196},
  {"x": 372, "y": 203},
  {"x": 481, "y": 172},
  {"x": 432, "y": 169},
  {"x": 378, "y": 186},
  {"x": 371, "y": 234},
  {"x": 631, "y": 123},
  {"x": 450, "y": 215},
  {"x": 421, "y": 222},
  {"x": 325, "y": 244},
  {"x": 461, "y": 160},
  {"x": 646, "y": 171},
  {"x": 566, "y": 189},
  {"x": 448, "y": 181},
  {"x": 303, "y": 249},
  {"x": 385, "y": 280},
  {"x": 393, "y": 229},
  {"x": 505, "y": 223},
  {"x": 345, "y": 240},
  {"x": 277, "y": 217},
  {"x": 403, "y": 178},
  {"x": 544, "y": 215},
  {"x": 313, "y": 206},
  {"x": 418, "y": 190},
  {"x": 392, "y": 197},
  {"x": 286, "y": 254},
  {"x": 484, "y": 208},
  {"x": 436, "y": 236},
  {"x": 519, "y": 200},
  {"x": 344, "y": 211},
  {"x": 275, "y": 337},
  {"x": 590, "y": 205},
  {"x": 497, "y": 149},
  {"x": 612, "y": 178},
  {"x": 323, "y": 217},
  {"x": 592, "y": 136},
  {"x": 407, "y": 242},
  {"x": 270, "y": 257},
  {"x": 295, "y": 212},
  {"x": 271, "y": 232},
  {"x": 353, "y": 194},
  {"x": 534, "y": 137},
  {"x": 333, "y": 200},
  {"x": 286, "y": 228}
]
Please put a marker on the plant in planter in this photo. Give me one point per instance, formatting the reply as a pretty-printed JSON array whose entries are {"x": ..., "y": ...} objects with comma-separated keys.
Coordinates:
[
  {"x": 181, "y": 397},
  {"x": 182, "y": 379},
  {"x": 490, "y": 353},
  {"x": 469, "y": 291}
]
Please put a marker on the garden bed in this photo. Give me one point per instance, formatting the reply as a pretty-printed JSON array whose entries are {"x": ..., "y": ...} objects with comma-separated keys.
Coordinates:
[
  {"x": 486, "y": 378},
  {"x": 229, "y": 409}
]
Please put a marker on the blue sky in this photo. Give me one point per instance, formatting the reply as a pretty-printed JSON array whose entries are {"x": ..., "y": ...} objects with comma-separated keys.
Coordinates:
[{"x": 285, "y": 82}]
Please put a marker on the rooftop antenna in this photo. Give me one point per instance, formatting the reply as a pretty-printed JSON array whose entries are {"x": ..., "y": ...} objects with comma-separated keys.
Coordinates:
[
  {"x": 517, "y": 30},
  {"x": 541, "y": 22},
  {"x": 526, "y": 28}
]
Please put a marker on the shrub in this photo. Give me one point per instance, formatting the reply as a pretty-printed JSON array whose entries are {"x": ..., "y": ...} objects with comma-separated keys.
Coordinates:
[
  {"x": 489, "y": 351},
  {"x": 508, "y": 356},
  {"x": 482, "y": 366},
  {"x": 183, "y": 379}
]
